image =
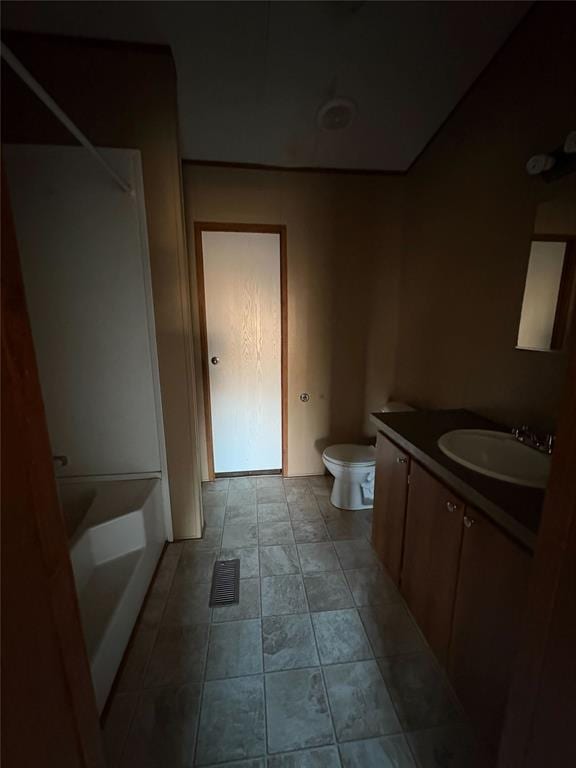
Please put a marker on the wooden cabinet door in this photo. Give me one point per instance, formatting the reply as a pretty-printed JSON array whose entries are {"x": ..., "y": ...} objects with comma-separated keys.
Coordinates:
[
  {"x": 391, "y": 485},
  {"x": 492, "y": 589},
  {"x": 431, "y": 556}
]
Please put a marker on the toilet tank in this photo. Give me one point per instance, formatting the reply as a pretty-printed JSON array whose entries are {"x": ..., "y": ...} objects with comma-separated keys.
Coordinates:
[{"x": 395, "y": 406}]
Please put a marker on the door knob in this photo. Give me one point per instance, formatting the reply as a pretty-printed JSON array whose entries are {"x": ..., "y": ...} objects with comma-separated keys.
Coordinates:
[
  {"x": 451, "y": 507},
  {"x": 215, "y": 360},
  {"x": 468, "y": 521},
  {"x": 402, "y": 460}
]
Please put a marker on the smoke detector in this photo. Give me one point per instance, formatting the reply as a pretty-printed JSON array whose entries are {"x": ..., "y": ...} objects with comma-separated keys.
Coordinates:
[{"x": 336, "y": 114}]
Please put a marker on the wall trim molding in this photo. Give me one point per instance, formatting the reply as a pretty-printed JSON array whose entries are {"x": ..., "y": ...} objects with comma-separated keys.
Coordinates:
[{"x": 292, "y": 169}]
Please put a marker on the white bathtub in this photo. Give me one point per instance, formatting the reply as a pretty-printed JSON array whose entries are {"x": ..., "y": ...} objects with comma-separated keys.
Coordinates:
[{"x": 117, "y": 535}]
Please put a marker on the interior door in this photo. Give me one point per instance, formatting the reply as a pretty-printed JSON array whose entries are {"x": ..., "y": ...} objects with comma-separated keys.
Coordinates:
[{"x": 242, "y": 297}]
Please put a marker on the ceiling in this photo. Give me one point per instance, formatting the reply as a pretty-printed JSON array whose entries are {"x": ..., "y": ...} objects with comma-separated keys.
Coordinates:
[{"x": 253, "y": 75}]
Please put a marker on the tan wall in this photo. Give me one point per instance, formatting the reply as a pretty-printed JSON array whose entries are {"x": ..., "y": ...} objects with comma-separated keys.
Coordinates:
[
  {"x": 469, "y": 218},
  {"x": 556, "y": 215},
  {"x": 405, "y": 287},
  {"x": 337, "y": 227},
  {"x": 366, "y": 269},
  {"x": 125, "y": 96}
]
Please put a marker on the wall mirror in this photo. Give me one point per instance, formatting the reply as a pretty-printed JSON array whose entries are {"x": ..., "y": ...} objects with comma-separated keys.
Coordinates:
[{"x": 550, "y": 286}]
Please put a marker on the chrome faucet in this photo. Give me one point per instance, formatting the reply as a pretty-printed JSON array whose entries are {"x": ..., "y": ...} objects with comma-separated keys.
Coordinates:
[{"x": 531, "y": 438}]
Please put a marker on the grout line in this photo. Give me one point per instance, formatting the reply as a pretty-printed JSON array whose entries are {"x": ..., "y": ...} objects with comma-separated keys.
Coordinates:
[
  {"x": 161, "y": 619},
  {"x": 323, "y": 675},
  {"x": 321, "y": 666},
  {"x": 202, "y": 690},
  {"x": 203, "y": 682},
  {"x": 264, "y": 689},
  {"x": 140, "y": 690},
  {"x": 412, "y": 752},
  {"x": 264, "y": 693},
  {"x": 120, "y": 757}
]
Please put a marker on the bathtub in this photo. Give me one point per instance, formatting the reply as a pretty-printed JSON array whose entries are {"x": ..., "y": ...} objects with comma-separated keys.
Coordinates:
[{"x": 116, "y": 533}]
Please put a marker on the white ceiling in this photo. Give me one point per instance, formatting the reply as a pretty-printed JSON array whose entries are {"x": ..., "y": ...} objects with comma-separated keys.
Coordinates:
[{"x": 252, "y": 75}]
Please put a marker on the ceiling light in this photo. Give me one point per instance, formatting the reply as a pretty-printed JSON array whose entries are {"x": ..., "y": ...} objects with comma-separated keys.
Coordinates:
[{"x": 336, "y": 114}]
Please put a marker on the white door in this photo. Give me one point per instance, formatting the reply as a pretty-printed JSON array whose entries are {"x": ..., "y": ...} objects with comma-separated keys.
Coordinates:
[{"x": 244, "y": 335}]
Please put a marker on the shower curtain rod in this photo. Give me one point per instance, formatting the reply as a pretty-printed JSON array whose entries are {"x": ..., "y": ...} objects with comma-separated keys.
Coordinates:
[{"x": 46, "y": 99}]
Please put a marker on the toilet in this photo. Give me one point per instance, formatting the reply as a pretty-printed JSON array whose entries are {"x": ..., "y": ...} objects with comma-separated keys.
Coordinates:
[{"x": 353, "y": 468}]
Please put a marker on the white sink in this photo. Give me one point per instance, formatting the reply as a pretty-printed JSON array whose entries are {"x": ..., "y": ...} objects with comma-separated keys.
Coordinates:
[{"x": 497, "y": 454}]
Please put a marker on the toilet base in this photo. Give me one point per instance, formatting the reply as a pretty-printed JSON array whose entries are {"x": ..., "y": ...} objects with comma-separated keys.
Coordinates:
[{"x": 348, "y": 494}]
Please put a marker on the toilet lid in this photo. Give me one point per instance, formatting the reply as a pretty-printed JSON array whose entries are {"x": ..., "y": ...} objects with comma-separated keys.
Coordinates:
[{"x": 351, "y": 454}]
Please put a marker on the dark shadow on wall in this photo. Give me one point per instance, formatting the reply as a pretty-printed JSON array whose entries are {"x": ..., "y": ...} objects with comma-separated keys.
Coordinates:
[{"x": 364, "y": 293}]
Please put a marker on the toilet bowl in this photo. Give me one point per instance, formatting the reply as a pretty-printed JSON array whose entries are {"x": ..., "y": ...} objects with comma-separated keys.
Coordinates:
[{"x": 352, "y": 467}]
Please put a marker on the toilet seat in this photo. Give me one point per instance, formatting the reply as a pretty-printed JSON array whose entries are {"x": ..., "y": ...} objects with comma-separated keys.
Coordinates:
[{"x": 346, "y": 454}]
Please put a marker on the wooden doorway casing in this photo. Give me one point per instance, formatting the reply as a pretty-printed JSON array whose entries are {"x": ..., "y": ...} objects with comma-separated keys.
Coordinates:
[
  {"x": 541, "y": 713},
  {"x": 280, "y": 229},
  {"x": 49, "y": 716}
]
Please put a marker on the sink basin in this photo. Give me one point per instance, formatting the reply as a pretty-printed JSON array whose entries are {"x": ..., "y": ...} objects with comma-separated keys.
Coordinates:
[{"x": 498, "y": 455}]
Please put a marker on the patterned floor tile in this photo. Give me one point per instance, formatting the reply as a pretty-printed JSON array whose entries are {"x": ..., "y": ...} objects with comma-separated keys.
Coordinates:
[
  {"x": 328, "y": 592},
  {"x": 385, "y": 752},
  {"x": 318, "y": 558},
  {"x": 360, "y": 703},
  {"x": 247, "y": 608},
  {"x": 340, "y": 636},
  {"x": 235, "y": 649},
  {"x": 283, "y": 595},
  {"x": 297, "y": 710},
  {"x": 232, "y": 720},
  {"x": 288, "y": 642}
]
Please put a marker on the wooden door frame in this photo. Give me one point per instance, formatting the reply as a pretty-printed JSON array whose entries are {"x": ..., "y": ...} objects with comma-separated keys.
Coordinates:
[
  {"x": 545, "y": 664},
  {"x": 274, "y": 229},
  {"x": 50, "y": 715}
]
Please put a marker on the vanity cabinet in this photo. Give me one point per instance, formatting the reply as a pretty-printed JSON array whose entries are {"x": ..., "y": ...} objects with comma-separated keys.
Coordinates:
[
  {"x": 390, "y": 493},
  {"x": 464, "y": 579},
  {"x": 490, "y": 597},
  {"x": 431, "y": 557}
]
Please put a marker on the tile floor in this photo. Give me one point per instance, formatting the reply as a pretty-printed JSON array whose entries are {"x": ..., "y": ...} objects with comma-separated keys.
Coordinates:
[{"x": 319, "y": 665}]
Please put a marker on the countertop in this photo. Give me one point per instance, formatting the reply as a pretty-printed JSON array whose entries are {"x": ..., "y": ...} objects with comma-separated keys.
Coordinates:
[{"x": 515, "y": 508}]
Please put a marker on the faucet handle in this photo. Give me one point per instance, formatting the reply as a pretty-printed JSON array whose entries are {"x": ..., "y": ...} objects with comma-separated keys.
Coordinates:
[
  {"x": 524, "y": 434},
  {"x": 521, "y": 432}
]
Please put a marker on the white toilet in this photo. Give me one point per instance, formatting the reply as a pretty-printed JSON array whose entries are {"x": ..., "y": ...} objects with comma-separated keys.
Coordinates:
[{"x": 353, "y": 468}]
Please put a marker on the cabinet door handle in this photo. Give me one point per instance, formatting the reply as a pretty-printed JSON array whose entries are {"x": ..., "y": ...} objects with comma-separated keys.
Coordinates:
[
  {"x": 451, "y": 507},
  {"x": 468, "y": 521},
  {"x": 402, "y": 460}
]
